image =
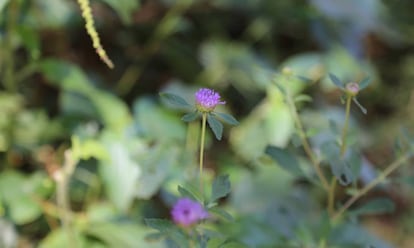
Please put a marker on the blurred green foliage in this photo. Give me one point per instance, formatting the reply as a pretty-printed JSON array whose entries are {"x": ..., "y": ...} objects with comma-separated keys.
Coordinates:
[{"x": 134, "y": 152}]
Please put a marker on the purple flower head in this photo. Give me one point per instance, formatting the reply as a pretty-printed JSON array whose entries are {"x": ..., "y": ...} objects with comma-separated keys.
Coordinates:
[
  {"x": 187, "y": 212},
  {"x": 207, "y": 100}
]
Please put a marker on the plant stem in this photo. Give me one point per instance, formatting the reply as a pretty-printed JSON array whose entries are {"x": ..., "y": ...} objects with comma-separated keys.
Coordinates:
[
  {"x": 381, "y": 177},
  {"x": 345, "y": 129},
  {"x": 305, "y": 143},
  {"x": 62, "y": 196},
  {"x": 331, "y": 195},
  {"x": 203, "y": 135}
]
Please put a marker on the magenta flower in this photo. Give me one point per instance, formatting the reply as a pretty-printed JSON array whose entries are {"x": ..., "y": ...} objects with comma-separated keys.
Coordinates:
[
  {"x": 207, "y": 100},
  {"x": 187, "y": 212}
]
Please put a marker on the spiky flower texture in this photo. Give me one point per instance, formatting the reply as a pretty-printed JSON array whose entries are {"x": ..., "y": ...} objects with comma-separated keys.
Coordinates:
[
  {"x": 187, "y": 212},
  {"x": 207, "y": 100}
]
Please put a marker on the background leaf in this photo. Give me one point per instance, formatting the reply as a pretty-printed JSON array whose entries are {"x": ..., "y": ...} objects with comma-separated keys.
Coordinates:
[
  {"x": 374, "y": 206},
  {"x": 364, "y": 83},
  {"x": 220, "y": 188},
  {"x": 174, "y": 100},
  {"x": 284, "y": 159},
  {"x": 336, "y": 81},
  {"x": 227, "y": 118},
  {"x": 191, "y": 116}
]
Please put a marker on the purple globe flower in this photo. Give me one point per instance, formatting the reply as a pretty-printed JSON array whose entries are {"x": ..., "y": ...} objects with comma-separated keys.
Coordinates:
[
  {"x": 187, "y": 212},
  {"x": 207, "y": 100}
]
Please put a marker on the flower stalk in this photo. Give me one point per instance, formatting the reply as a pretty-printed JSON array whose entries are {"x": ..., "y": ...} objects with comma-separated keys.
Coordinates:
[
  {"x": 201, "y": 161},
  {"x": 62, "y": 179},
  {"x": 305, "y": 143},
  {"x": 332, "y": 187}
]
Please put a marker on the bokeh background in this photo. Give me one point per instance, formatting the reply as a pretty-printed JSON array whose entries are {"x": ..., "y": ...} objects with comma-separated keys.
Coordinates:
[{"x": 135, "y": 150}]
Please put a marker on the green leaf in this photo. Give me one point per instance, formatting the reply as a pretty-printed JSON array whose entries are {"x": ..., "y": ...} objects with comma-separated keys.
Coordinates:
[
  {"x": 59, "y": 238},
  {"x": 222, "y": 213},
  {"x": 285, "y": 159},
  {"x": 156, "y": 165},
  {"x": 87, "y": 149},
  {"x": 159, "y": 224},
  {"x": 303, "y": 98},
  {"x": 220, "y": 188},
  {"x": 227, "y": 118},
  {"x": 2, "y": 4},
  {"x": 30, "y": 39},
  {"x": 281, "y": 89},
  {"x": 156, "y": 122},
  {"x": 18, "y": 193},
  {"x": 375, "y": 206},
  {"x": 364, "y": 83},
  {"x": 113, "y": 112},
  {"x": 186, "y": 193},
  {"x": 342, "y": 171},
  {"x": 215, "y": 126},
  {"x": 269, "y": 123},
  {"x": 168, "y": 228},
  {"x": 191, "y": 116},
  {"x": 363, "y": 110},
  {"x": 336, "y": 81},
  {"x": 120, "y": 234},
  {"x": 120, "y": 173},
  {"x": 174, "y": 100}
]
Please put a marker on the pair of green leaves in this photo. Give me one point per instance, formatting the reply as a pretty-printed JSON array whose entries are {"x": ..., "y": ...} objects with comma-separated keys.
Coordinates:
[
  {"x": 213, "y": 118},
  {"x": 221, "y": 188},
  {"x": 362, "y": 85}
]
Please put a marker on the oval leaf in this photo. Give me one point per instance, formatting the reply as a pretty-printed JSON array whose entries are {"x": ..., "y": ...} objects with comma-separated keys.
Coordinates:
[
  {"x": 221, "y": 213},
  {"x": 228, "y": 118},
  {"x": 176, "y": 101},
  {"x": 342, "y": 172},
  {"x": 336, "y": 81},
  {"x": 364, "y": 83},
  {"x": 190, "y": 116},
  {"x": 284, "y": 159},
  {"x": 215, "y": 126},
  {"x": 187, "y": 193},
  {"x": 220, "y": 188},
  {"x": 375, "y": 206}
]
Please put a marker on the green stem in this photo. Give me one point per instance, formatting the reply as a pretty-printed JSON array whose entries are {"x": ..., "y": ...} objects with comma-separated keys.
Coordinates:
[
  {"x": 306, "y": 145},
  {"x": 331, "y": 195},
  {"x": 381, "y": 177},
  {"x": 62, "y": 191},
  {"x": 345, "y": 129},
  {"x": 203, "y": 135}
]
